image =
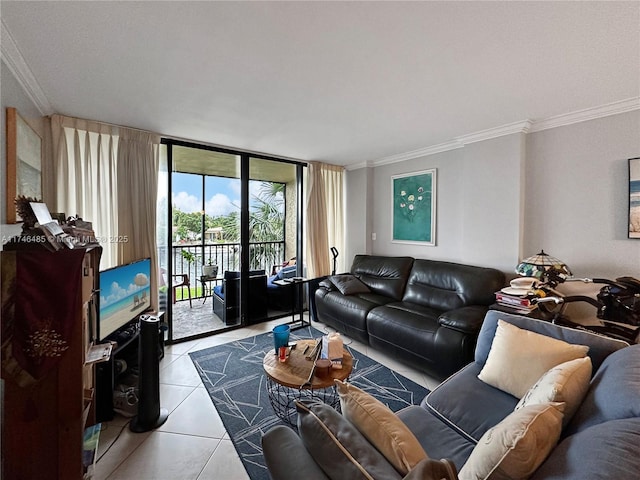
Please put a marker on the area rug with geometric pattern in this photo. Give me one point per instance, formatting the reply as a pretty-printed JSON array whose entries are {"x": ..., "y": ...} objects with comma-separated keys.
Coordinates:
[{"x": 233, "y": 375}]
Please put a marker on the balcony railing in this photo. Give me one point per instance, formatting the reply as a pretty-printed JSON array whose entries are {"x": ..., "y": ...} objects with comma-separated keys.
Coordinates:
[{"x": 262, "y": 255}]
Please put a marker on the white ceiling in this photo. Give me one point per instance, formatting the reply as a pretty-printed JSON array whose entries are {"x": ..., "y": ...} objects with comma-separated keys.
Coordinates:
[{"x": 340, "y": 82}]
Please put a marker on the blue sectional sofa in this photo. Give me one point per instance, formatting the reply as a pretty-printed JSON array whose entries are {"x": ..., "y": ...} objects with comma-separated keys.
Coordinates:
[{"x": 601, "y": 440}]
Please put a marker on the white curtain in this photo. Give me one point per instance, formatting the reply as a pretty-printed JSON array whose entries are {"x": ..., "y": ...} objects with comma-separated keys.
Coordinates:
[
  {"x": 325, "y": 216},
  {"x": 84, "y": 161},
  {"x": 137, "y": 175},
  {"x": 108, "y": 175}
]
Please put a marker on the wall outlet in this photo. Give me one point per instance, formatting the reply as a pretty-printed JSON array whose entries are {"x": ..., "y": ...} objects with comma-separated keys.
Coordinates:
[{"x": 373, "y": 236}]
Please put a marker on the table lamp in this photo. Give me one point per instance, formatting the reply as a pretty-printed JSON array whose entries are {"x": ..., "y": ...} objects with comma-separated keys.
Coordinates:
[{"x": 544, "y": 267}]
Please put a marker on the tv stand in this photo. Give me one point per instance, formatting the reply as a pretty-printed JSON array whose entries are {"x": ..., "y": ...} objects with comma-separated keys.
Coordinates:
[{"x": 108, "y": 374}]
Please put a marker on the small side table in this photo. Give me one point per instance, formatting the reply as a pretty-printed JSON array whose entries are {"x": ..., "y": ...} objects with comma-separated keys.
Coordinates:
[
  {"x": 299, "y": 283},
  {"x": 535, "y": 313},
  {"x": 204, "y": 280},
  {"x": 285, "y": 381}
]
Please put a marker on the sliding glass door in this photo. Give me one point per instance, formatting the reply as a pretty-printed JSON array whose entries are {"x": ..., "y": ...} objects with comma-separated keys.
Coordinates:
[{"x": 233, "y": 224}]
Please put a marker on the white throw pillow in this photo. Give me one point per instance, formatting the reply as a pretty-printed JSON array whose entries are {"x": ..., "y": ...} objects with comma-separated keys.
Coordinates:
[
  {"x": 567, "y": 382},
  {"x": 518, "y": 358},
  {"x": 517, "y": 446}
]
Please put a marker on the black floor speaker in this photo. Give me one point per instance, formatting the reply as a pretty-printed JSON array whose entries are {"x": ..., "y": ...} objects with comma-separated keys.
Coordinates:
[{"x": 150, "y": 415}]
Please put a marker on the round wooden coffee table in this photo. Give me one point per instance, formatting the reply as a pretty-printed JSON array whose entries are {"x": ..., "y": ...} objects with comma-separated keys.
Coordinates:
[{"x": 286, "y": 381}]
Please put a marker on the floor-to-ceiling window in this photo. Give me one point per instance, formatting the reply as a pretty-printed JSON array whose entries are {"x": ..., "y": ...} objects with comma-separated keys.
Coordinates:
[{"x": 231, "y": 222}]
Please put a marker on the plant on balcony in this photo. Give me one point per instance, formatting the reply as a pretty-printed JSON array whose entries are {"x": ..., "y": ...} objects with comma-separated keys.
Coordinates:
[
  {"x": 210, "y": 269},
  {"x": 189, "y": 257}
]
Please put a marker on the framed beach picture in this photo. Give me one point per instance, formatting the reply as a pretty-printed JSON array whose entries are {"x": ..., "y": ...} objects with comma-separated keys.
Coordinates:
[
  {"x": 634, "y": 197},
  {"x": 413, "y": 207}
]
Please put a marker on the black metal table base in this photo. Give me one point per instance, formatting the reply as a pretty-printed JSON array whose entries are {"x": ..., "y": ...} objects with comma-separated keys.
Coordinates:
[
  {"x": 283, "y": 399},
  {"x": 297, "y": 302}
]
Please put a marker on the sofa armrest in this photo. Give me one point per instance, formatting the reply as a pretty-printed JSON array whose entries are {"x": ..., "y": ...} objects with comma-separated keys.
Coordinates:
[
  {"x": 287, "y": 458},
  {"x": 313, "y": 285},
  {"x": 466, "y": 319}
]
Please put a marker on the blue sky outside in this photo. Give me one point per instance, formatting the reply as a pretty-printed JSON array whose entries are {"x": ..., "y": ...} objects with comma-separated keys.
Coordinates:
[{"x": 222, "y": 195}]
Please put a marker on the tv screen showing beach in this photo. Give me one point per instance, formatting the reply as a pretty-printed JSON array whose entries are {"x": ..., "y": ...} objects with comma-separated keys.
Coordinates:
[{"x": 124, "y": 294}]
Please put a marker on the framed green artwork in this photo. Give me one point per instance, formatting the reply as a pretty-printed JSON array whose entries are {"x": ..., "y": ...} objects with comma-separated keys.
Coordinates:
[{"x": 413, "y": 207}]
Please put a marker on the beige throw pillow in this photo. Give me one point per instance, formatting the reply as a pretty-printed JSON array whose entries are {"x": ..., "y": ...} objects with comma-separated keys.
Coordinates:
[
  {"x": 567, "y": 383},
  {"x": 517, "y": 446},
  {"x": 518, "y": 358},
  {"x": 381, "y": 427}
]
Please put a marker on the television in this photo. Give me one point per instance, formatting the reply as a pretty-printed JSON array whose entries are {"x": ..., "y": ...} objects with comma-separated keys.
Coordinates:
[{"x": 124, "y": 294}]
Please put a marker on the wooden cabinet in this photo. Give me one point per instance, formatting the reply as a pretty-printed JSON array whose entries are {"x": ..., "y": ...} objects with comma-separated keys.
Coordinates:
[{"x": 48, "y": 317}]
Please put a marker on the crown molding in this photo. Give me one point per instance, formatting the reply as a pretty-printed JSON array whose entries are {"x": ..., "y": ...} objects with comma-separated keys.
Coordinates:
[
  {"x": 16, "y": 64},
  {"x": 613, "y": 108},
  {"x": 422, "y": 152},
  {"x": 508, "y": 129},
  {"x": 457, "y": 142},
  {"x": 525, "y": 126},
  {"x": 357, "y": 166}
]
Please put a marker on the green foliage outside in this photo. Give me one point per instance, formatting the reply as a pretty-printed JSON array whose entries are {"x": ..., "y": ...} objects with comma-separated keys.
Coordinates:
[{"x": 266, "y": 223}]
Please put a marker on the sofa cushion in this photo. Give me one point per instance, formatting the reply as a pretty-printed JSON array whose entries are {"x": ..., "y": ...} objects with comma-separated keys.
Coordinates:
[
  {"x": 567, "y": 383},
  {"x": 607, "y": 450},
  {"x": 466, "y": 319},
  {"x": 381, "y": 427},
  {"x": 348, "y": 284},
  {"x": 435, "y": 437},
  {"x": 614, "y": 392},
  {"x": 299, "y": 464},
  {"x": 599, "y": 346},
  {"x": 383, "y": 275},
  {"x": 517, "y": 446},
  {"x": 477, "y": 406},
  {"x": 347, "y": 313},
  {"x": 407, "y": 327},
  {"x": 518, "y": 358},
  {"x": 337, "y": 446},
  {"x": 446, "y": 285}
]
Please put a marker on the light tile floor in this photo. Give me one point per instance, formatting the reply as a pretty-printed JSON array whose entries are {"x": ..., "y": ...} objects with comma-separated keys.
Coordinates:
[{"x": 193, "y": 443}]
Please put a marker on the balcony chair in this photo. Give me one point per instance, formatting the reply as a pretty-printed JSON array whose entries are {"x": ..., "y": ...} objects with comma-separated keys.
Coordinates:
[
  {"x": 180, "y": 281},
  {"x": 226, "y": 297},
  {"x": 282, "y": 297}
]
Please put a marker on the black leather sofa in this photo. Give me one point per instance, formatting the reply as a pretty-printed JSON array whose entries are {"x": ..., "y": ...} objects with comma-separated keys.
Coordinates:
[{"x": 424, "y": 312}]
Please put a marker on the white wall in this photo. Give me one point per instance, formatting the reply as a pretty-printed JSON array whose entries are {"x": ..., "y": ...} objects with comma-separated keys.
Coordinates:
[
  {"x": 576, "y": 200},
  {"x": 358, "y": 216},
  {"x": 491, "y": 202},
  {"x": 449, "y": 167},
  {"x": 563, "y": 190},
  {"x": 12, "y": 95},
  {"x": 478, "y": 204}
]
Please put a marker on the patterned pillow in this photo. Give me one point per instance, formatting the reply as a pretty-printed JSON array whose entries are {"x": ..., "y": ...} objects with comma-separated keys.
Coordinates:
[
  {"x": 381, "y": 427},
  {"x": 567, "y": 383},
  {"x": 337, "y": 446},
  {"x": 517, "y": 446}
]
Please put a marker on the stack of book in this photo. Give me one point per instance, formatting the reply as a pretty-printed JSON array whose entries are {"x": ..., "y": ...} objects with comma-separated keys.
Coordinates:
[
  {"x": 521, "y": 300},
  {"x": 523, "y": 304}
]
